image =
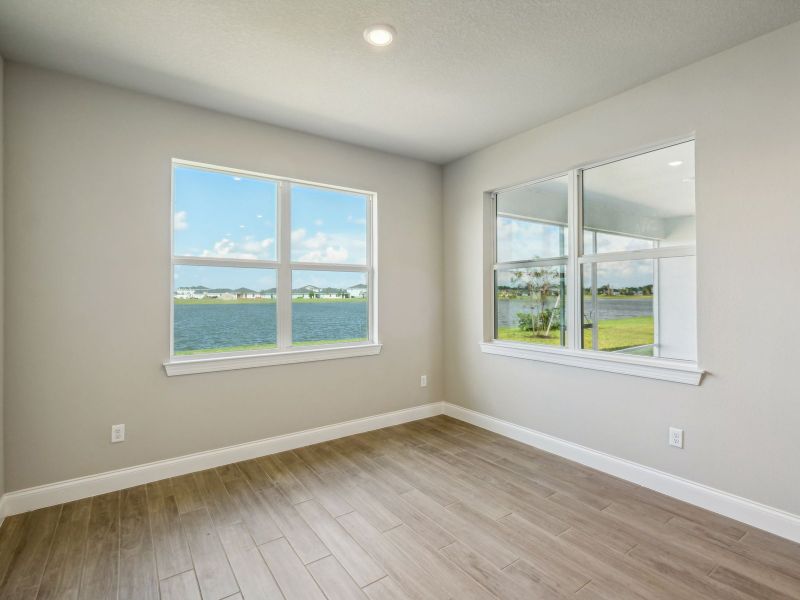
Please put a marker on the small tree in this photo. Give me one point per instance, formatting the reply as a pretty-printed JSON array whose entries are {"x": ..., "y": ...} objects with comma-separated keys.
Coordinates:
[{"x": 540, "y": 282}]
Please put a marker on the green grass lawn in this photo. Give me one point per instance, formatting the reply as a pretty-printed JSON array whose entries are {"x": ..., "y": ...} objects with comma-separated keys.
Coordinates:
[
  {"x": 265, "y": 300},
  {"x": 608, "y": 297},
  {"x": 265, "y": 346},
  {"x": 613, "y": 334}
]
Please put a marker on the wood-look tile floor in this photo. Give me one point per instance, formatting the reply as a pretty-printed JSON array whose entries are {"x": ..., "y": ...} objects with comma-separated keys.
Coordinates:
[{"x": 432, "y": 509}]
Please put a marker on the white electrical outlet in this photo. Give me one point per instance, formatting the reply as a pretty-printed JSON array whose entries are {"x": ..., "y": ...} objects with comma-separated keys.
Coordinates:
[
  {"x": 117, "y": 433},
  {"x": 676, "y": 437},
  {"x": 423, "y": 381}
]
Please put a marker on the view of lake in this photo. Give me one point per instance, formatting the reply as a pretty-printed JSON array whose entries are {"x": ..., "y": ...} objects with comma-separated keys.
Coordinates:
[
  {"x": 225, "y": 325},
  {"x": 609, "y": 309}
]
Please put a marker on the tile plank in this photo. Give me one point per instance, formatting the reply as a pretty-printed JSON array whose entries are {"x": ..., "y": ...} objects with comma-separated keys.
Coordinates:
[
  {"x": 172, "y": 550},
  {"x": 210, "y": 561},
  {"x": 100, "y": 566},
  {"x": 138, "y": 578},
  {"x": 358, "y": 563},
  {"x": 62, "y": 577},
  {"x": 334, "y": 580},
  {"x": 180, "y": 587},
  {"x": 294, "y": 580}
]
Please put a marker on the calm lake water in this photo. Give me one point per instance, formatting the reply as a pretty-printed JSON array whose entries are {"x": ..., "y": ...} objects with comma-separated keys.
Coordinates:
[
  {"x": 209, "y": 326},
  {"x": 608, "y": 308}
]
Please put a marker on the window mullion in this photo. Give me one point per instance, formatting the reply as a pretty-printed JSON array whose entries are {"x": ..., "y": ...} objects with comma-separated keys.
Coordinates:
[
  {"x": 284, "y": 291},
  {"x": 650, "y": 253},
  {"x": 574, "y": 285}
]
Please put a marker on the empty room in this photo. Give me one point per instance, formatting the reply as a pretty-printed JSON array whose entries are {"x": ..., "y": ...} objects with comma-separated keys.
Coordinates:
[{"x": 399, "y": 300}]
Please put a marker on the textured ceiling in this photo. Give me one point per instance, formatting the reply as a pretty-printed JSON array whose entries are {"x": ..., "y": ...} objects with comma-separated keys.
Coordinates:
[{"x": 461, "y": 75}]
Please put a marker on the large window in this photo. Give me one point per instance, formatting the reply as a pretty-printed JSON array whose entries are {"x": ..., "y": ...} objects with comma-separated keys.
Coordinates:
[
  {"x": 265, "y": 265},
  {"x": 600, "y": 261}
]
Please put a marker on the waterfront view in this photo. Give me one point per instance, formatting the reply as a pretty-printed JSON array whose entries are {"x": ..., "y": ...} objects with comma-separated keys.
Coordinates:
[{"x": 216, "y": 325}]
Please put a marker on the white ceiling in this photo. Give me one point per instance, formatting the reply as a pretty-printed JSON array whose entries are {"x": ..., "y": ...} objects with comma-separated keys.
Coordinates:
[{"x": 461, "y": 75}]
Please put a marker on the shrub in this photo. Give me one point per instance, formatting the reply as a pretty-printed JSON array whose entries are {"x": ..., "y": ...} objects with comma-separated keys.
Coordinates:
[{"x": 538, "y": 323}]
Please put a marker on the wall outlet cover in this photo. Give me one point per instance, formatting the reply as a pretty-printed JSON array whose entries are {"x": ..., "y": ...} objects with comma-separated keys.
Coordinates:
[
  {"x": 117, "y": 433},
  {"x": 676, "y": 437}
]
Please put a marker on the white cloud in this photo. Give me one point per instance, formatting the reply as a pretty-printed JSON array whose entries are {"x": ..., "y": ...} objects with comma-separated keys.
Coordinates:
[
  {"x": 252, "y": 245},
  {"x": 226, "y": 248},
  {"x": 180, "y": 222},
  {"x": 316, "y": 242},
  {"x": 330, "y": 254},
  {"x": 325, "y": 247},
  {"x": 520, "y": 240},
  {"x": 319, "y": 222}
]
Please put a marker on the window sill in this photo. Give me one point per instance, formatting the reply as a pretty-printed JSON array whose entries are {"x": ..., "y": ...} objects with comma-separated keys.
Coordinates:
[
  {"x": 207, "y": 364},
  {"x": 652, "y": 368}
]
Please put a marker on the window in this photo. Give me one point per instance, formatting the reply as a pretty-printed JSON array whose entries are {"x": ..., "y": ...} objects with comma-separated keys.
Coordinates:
[
  {"x": 597, "y": 267},
  {"x": 268, "y": 270}
]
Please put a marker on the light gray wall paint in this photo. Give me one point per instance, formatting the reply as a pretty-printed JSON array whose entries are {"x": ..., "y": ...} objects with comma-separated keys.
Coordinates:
[
  {"x": 88, "y": 280},
  {"x": 2, "y": 292},
  {"x": 741, "y": 424}
]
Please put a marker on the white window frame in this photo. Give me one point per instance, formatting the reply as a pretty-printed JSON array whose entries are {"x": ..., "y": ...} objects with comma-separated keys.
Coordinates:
[
  {"x": 572, "y": 354},
  {"x": 285, "y": 352}
]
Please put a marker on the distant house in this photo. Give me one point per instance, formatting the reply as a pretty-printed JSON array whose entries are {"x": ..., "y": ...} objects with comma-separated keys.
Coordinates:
[
  {"x": 357, "y": 291},
  {"x": 330, "y": 292},
  {"x": 269, "y": 294},
  {"x": 245, "y": 293},
  {"x": 221, "y": 294},
  {"x": 196, "y": 292},
  {"x": 307, "y": 291}
]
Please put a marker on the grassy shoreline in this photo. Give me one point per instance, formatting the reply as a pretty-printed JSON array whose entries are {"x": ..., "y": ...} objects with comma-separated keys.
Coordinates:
[
  {"x": 263, "y": 346},
  {"x": 614, "y": 334}
]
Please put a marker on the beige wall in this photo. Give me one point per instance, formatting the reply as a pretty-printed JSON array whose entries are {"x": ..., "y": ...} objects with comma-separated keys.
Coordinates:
[
  {"x": 87, "y": 282},
  {"x": 2, "y": 291},
  {"x": 742, "y": 423}
]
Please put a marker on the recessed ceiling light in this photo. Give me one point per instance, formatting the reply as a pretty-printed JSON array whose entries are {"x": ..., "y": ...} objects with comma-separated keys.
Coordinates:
[
  {"x": 675, "y": 163},
  {"x": 379, "y": 35}
]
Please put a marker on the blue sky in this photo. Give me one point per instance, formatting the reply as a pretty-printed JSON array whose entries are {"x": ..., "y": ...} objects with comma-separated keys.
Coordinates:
[
  {"x": 231, "y": 216},
  {"x": 222, "y": 215},
  {"x": 328, "y": 226}
]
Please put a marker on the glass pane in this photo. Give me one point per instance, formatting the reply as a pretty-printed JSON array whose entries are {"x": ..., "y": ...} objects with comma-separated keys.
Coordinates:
[
  {"x": 611, "y": 242},
  {"x": 532, "y": 221},
  {"x": 328, "y": 226},
  {"x": 641, "y": 307},
  {"x": 223, "y": 309},
  {"x": 223, "y": 214},
  {"x": 329, "y": 307},
  {"x": 531, "y": 305},
  {"x": 641, "y": 202}
]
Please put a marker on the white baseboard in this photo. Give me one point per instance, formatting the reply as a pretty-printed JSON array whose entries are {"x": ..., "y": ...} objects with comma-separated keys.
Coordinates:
[
  {"x": 758, "y": 515},
  {"x": 51, "y": 494}
]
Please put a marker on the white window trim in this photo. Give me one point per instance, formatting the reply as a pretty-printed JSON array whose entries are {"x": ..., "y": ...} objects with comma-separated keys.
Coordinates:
[
  {"x": 284, "y": 353},
  {"x": 678, "y": 371}
]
